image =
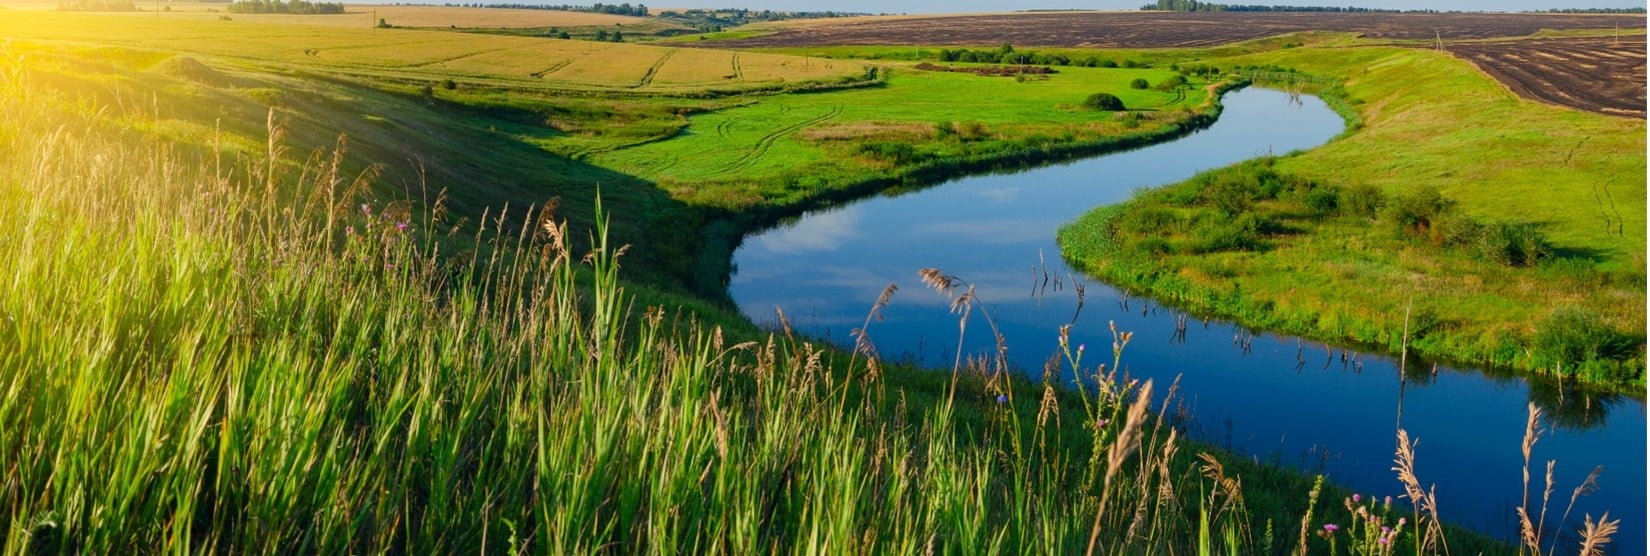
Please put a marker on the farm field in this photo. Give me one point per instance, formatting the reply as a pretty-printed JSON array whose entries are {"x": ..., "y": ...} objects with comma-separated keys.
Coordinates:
[
  {"x": 1162, "y": 29},
  {"x": 1597, "y": 74},
  {"x": 1601, "y": 79},
  {"x": 413, "y": 55}
]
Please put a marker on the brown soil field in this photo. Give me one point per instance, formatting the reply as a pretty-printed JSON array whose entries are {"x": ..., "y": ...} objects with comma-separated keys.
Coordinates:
[
  {"x": 1597, "y": 74},
  {"x": 1165, "y": 29}
]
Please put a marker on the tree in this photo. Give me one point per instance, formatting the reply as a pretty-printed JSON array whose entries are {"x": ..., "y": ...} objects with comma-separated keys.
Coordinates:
[
  {"x": 618, "y": 36},
  {"x": 1139, "y": 83},
  {"x": 601, "y": 35},
  {"x": 1104, "y": 101},
  {"x": 563, "y": 35}
]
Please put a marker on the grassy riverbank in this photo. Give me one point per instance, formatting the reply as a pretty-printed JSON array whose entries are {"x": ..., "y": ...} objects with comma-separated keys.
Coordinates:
[
  {"x": 251, "y": 356},
  {"x": 1502, "y": 232}
]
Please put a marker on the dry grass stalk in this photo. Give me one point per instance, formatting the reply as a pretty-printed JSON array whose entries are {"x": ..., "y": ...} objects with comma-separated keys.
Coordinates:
[
  {"x": 1128, "y": 440},
  {"x": 1595, "y": 535},
  {"x": 1422, "y": 500},
  {"x": 1528, "y": 532}
]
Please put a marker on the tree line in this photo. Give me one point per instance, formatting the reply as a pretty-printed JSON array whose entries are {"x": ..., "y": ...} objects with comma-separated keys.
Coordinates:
[
  {"x": 638, "y": 10},
  {"x": 300, "y": 7}
]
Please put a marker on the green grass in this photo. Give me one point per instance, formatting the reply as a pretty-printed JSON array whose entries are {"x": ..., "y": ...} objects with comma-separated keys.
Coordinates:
[
  {"x": 251, "y": 357},
  {"x": 1427, "y": 121},
  {"x": 213, "y": 347},
  {"x": 779, "y": 147}
]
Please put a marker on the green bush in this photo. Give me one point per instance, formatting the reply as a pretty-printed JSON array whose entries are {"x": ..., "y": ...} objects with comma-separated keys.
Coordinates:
[
  {"x": 895, "y": 152},
  {"x": 1323, "y": 200},
  {"x": 1103, "y": 101},
  {"x": 1231, "y": 192},
  {"x": 1574, "y": 337},
  {"x": 1362, "y": 201},
  {"x": 1139, "y": 83},
  {"x": 1417, "y": 212},
  {"x": 1513, "y": 244}
]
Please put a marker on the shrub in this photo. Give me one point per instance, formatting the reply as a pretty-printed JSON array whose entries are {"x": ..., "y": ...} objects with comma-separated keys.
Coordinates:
[
  {"x": 1231, "y": 192},
  {"x": 1139, "y": 83},
  {"x": 1172, "y": 83},
  {"x": 1108, "y": 63},
  {"x": 1152, "y": 244},
  {"x": 1103, "y": 101},
  {"x": 890, "y": 151},
  {"x": 1574, "y": 336},
  {"x": 1513, "y": 244},
  {"x": 448, "y": 84},
  {"x": 1323, "y": 200},
  {"x": 1362, "y": 201},
  {"x": 1416, "y": 212}
]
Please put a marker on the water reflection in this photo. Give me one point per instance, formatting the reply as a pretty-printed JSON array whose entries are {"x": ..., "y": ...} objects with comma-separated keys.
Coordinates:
[{"x": 1278, "y": 398}]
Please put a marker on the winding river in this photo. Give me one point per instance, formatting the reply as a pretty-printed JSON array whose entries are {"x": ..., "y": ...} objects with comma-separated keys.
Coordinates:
[{"x": 1254, "y": 396}]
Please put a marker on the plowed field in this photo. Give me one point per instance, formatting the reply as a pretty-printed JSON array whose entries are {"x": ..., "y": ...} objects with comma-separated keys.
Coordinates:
[
  {"x": 1164, "y": 30},
  {"x": 1596, "y": 74}
]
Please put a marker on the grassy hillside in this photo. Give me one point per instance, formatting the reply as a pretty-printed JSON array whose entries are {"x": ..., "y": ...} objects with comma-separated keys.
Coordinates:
[
  {"x": 252, "y": 356},
  {"x": 1430, "y": 123},
  {"x": 674, "y": 137}
]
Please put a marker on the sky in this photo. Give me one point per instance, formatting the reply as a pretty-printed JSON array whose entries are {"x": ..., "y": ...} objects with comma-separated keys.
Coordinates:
[{"x": 957, "y": 6}]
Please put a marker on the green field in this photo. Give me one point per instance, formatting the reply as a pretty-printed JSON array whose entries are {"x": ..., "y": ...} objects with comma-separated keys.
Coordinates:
[
  {"x": 280, "y": 287},
  {"x": 1428, "y": 122}
]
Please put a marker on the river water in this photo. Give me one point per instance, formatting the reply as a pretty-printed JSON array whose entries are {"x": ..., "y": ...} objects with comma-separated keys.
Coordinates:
[{"x": 1246, "y": 390}]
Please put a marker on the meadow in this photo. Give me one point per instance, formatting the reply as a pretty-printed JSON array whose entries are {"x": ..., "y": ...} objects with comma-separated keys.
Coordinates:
[
  {"x": 254, "y": 355},
  {"x": 1427, "y": 123},
  {"x": 284, "y": 288}
]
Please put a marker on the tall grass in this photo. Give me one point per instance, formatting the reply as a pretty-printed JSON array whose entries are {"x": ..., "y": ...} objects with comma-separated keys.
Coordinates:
[{"x": 239, "y": 356}]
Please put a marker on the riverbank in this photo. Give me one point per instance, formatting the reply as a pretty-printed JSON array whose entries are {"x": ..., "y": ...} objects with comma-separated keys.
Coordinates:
[{"x": 1336, "y": 265}]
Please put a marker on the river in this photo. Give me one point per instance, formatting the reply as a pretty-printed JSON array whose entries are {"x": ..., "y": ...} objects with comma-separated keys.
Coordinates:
[{"x": 826, "y": 268}]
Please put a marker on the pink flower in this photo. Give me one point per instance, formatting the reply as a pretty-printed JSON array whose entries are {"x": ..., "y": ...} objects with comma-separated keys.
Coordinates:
[
  {"x": 349, "y": 229},
  {"x": 1331, "y": 528},
  {"x": 366, "y": 208},
  {"x": 1357, "y": 498},
  {"x": 401, "y": 226}
]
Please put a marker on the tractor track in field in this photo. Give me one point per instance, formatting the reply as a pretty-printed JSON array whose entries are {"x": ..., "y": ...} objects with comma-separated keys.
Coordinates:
[
  {"x": 749, "y": 158},
  {"x": 457, "y": 58},
  {"x": 738, "y": 71},
  {"x": 553, "y": 69},
  {"x": 647, "y": 79}
]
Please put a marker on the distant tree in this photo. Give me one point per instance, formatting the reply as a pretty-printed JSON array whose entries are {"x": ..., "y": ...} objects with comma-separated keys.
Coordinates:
[
  {"x": 1103, "y": 101},
  {"x": 563, "y": 35},
  {"x": 601, "y": 35},
  {"x": 618, "y": 36},
  {"x": 1139, "y": 83}
]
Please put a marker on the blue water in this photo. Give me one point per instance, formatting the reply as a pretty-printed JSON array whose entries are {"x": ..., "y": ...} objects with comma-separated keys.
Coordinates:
[{"x": 826, "y": 268}]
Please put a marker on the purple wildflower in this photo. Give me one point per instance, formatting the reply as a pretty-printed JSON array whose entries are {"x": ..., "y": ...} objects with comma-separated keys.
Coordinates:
[
  {"x": 349, "y": 230},
  {"x": 1331, "y": 528},
  {"x": 1001, "y": 399},
  {"x": 1382, "y": 540},
  {"x": 366, "y": 208},
  {"x": 1357, "y": 498},
  {"x": 400, "y": 226}
]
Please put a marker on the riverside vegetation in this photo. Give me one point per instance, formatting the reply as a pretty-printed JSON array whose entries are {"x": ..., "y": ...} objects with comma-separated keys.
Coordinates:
[
  {"x": 240, "y": 355},
  {"x": 222, "y": 345},
  {"x": 1520, "y": 245}
]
